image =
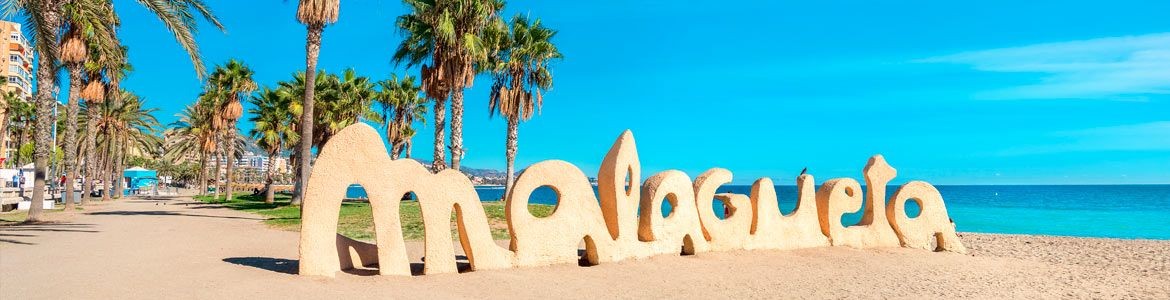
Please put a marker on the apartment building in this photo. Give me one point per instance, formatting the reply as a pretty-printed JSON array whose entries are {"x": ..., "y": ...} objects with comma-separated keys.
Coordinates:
[{"x": 18, "y": 78}]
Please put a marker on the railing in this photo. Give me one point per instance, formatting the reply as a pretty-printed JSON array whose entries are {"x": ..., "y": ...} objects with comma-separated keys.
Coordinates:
[{"x": 11, "y": 195}]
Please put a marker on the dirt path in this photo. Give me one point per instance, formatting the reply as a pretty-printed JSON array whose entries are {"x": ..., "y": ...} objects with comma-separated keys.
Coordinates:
[{"x": 136, "y": 249}]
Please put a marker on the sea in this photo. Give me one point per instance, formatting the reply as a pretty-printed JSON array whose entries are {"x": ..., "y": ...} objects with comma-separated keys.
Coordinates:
[{"x": 1106, "y": 211}]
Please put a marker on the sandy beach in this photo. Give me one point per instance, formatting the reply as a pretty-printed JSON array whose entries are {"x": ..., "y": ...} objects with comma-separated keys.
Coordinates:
[{"x": 138, "y": 248}]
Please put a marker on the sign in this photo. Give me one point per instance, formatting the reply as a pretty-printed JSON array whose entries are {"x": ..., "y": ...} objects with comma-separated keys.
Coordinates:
[{"x": 625, "y": 223}]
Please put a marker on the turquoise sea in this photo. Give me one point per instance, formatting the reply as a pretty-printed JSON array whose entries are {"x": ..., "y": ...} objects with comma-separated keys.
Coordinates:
[{"x": 1113, "y": 211}]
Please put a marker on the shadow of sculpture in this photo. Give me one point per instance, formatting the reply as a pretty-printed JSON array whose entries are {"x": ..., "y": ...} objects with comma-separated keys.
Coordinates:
[
  {"x": 279, "y": 265},
  {"x": 166, "y": 213}
]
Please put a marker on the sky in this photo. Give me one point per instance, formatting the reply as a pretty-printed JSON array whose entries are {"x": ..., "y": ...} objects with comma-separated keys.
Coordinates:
[{"x": 976, "y": 92}]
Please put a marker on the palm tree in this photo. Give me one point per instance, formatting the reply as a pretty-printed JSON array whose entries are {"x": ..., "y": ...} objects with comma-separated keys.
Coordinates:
[
  {"x": 521, "y": 72},
  {"x": 273, "y": 131},
  {"x": 89, "y": 22},
  {"x": 401, "y": 104},
  {"x": 125, "y": 129},
  {"x": 193, "y": 136},
  {"x": 19, "y": 118},
  {"x": 315, "y": 14},
  {"x": 444, "y": 37},
  {"x": 342, "y": 101},
  {"x": 9, "y": 107},
  {"x": 230, "y": 81},
  {"x": 45, "y": 18},
  {"x": 350, "y": 101}
]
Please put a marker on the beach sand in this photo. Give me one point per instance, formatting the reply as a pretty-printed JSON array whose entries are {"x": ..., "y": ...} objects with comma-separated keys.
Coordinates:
[{"x": 140, "y": 249}]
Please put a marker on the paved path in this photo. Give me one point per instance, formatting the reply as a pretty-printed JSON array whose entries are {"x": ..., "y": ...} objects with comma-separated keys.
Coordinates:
[{"x": 138, "y": 249}]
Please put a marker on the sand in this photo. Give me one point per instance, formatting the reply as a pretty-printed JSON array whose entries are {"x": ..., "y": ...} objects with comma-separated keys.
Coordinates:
[{"x": 134, "y": 249}]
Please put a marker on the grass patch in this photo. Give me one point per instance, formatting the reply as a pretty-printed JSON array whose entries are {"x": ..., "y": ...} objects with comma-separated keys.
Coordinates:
[
  {"x": 15, "y": 216},
  {"x": 18, "y": 216},
  {"x": 356, "y": 220}
]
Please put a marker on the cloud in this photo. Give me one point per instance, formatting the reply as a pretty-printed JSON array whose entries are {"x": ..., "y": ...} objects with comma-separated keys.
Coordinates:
[
  {"x": 1115, "y": 68},
  {"x": 1152, "y": 136}
]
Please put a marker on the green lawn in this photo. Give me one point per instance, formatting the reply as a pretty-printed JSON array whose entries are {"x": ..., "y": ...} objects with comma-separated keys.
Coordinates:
[
  {"x": 18, "y": 216},
  {"x": 355, "y": 219}
]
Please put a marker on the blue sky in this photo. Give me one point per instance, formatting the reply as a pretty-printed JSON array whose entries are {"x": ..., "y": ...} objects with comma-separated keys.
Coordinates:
[{"x": 983, "y": 92}]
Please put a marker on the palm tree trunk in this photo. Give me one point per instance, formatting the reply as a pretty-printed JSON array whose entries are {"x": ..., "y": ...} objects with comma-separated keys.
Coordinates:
[
  {"x": 269, "y": 195},
  {"x": 71, "y": 167},
  {"x": 312, "y": 49},
  {"x": 107, "y": 160},
  {"x": 45, "y": 102},
  {"x": 119, "y": 167},
  {"x": 456, "y": 128},
  {"x": 407, "y": 148},
  {"x": 510, "y": 152},
  {"x": 395, "y": 150},
  {"x": 91, "y": 162},
  {"x": 203, "y": 164},
  {"x": 4, "y": 127},
  {"x": 440, "y": 125},
  {"x": 231, "y": 159},
  {"x": 215, "y": 180}
]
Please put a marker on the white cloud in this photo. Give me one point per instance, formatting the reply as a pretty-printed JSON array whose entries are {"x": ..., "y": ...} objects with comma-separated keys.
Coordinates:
[
  {"x": 1144, "y": 136},
  {"x": 1115, "y": 68},
  {"x": 1152, "y": 136}
]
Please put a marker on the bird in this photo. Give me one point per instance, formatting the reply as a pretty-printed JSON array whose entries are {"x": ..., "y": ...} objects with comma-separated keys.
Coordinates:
[{"x": 805, "y": 170}]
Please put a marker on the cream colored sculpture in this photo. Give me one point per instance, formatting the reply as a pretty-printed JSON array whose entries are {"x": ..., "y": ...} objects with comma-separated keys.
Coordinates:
[
  {"x": 732, "y": 232},
  {"x": 932, "y": 221},
  {"x": 799, "y": 229},
  {"x": 840, "y": 196},
  {"x": 624, "y": 221},
  {"x": 619, "y": 195},
  {"x": 681, "y": 227},
  {"x": 577, "y": 217}
]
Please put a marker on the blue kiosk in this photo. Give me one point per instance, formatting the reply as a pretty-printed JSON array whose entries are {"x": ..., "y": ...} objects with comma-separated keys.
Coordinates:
[{"x": 138, "y": 178}]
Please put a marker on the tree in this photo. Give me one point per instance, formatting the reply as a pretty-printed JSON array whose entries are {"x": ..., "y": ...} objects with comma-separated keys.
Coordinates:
[
  {"x": 315, "y": 14},
  {"x": 521, "y": 72},
  {"x": 401, "y": 104},
  {"x": 273, "y": 131},
  {"x": 193, "y": 135},
  {"x": 19, "y": 114},
  {"x": 229, "y": 82},
  {"x": 45, "y": 19},
  {"x": 445, "y": 38},
  {"x": 125, "y": 129},
  {"x": 350, "y": 101}
]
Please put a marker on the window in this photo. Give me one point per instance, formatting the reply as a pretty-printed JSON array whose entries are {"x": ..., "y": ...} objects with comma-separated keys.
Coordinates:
[
  {"x": 14, "y": 37},
  {"x": 13, "y": 58}
]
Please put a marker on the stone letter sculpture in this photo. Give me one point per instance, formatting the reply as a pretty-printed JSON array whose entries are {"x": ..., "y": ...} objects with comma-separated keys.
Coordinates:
[{"x": 623, "y": 221}]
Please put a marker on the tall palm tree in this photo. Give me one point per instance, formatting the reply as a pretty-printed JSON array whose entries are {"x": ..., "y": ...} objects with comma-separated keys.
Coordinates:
[
  {"x": 124, "y": 129},
  {"x": 45, "y": 19},
  {"x": 445, "y": 38},
  {"x": 88, "y": 22},
  {"x": 230, "y": 81},
  {"x": 402, "y": 104},
  {"x": 521, "y": 71},
  {"x": 315, "y": 14},
  {"x": 9, "y": 105},
  {"x": 20, "y": 117},
  {"x": 273, "y": 130},
  {"x": 192, "y": 135},
  {"x": 94, "y": 94}
]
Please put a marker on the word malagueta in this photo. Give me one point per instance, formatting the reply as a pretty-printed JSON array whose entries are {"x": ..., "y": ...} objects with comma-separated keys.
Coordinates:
[{"x": 611, "y": 227}]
